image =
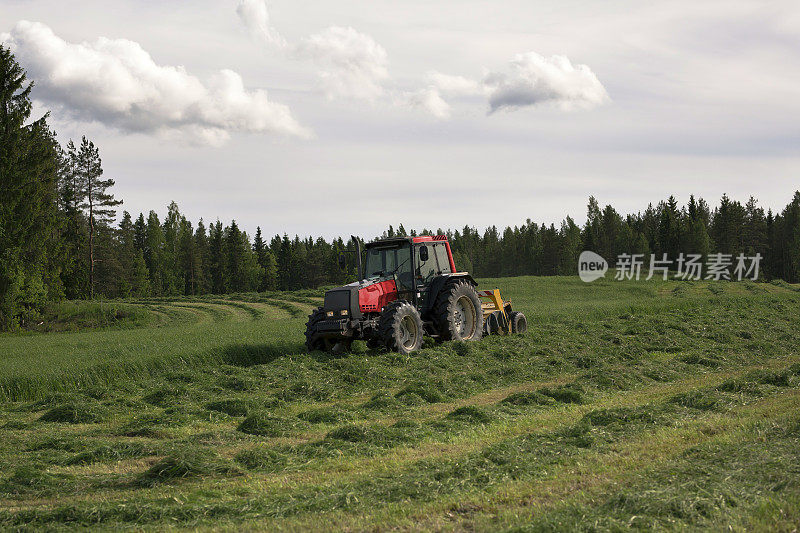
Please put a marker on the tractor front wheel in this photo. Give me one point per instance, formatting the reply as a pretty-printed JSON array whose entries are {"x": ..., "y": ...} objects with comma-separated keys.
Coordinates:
[
  {"x": 400, "y": 327},
  {"x": 458, "y": 313},
  {"x": 313, "y": 340}
]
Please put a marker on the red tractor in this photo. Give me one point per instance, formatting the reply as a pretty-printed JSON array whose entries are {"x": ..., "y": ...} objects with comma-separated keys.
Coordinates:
[{"x": 409, "y": 287}]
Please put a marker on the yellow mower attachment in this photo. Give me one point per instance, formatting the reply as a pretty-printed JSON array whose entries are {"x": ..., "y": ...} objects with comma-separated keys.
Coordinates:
[{"x": 498, "y": 316}]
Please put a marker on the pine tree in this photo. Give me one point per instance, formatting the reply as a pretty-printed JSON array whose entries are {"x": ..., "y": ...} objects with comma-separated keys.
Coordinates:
[
  {"x": 669, "y": 230},
  {"x": 695, "y": 238},
  {"x": 126, "y": 254},
  {"x": 570, "y": 248},
  {"x": 73, "y": 226},
  {"x": 96, "y": 198},
  {"x": 140, "y": 281},
  {"x": 261, "y": 253},
  {"x": 270, "y": 276},
  {"x": 189, "y": 261},
  {"x": 216, "y": 259},
  {"x": 201, "y": 250},
  {"x": 789, "y": 229},
  {"x": 154, "y": 252},
  {"x": 754, "y": 233},
  {"x": 29, "y": 166},
  {"x": 173, "y": 272}
]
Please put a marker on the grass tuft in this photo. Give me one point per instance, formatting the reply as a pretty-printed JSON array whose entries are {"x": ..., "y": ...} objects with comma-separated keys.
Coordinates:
[
  {"x": 326, "y": 415},
  {"x": 528, "y": 398},
  {"x": 231, "y": 406},
  {"x": 420, "y": 390},
  {"x": 32, "y": 480},
  {"x": 564, "y": 393},
  {"x": 264, "y": 425},
  {"x": 76, "y": 413},
  {"x": 184, "y": 464},
  {"x": 470, "y": 414},
  {"x": 697, "y": 399}
]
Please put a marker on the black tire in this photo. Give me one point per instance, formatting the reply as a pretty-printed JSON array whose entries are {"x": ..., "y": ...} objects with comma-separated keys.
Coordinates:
[
  {"x": 458, "y": 313},
  {"x": 400, "y": 327},
  {"x": 491, "y": 324},
  {"x": 519, "y": 324},
  {"x": 313, "y": 340}
]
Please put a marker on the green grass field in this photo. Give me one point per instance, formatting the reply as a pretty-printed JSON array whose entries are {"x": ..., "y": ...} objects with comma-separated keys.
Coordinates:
[{"x": 646, "y": 405}]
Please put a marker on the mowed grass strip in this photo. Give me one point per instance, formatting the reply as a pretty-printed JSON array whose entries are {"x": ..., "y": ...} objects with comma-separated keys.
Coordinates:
[
  {"x": 535, "y": 457},
  {"x": 583, "y": 495},
  {"x": 555, "y": 426}
]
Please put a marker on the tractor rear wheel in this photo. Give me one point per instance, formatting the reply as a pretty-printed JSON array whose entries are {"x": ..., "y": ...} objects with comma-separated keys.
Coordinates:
[
  {"x": 458, "y": 313},
  {"x": 519, "y": 324},
  {"x": 400, "y": 327}
]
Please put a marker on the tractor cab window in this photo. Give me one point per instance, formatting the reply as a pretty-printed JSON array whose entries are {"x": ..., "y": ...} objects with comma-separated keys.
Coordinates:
[
  {"x": 440, "y": 251},
  {"x": 390, "y": 261},
  {"x": 426, "y": 270}
]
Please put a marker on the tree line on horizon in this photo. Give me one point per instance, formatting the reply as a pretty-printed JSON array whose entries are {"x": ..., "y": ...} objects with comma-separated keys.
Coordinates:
[{"x": 58, "y": 237}]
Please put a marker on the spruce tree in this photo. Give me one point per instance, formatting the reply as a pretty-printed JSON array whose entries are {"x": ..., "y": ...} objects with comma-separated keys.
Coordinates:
[
  {"x": 29, "y": 165},
  {"x": 216, "y": 259},
  {"x": 201, "y": 250},
  {"x": 188, "y": 258},
  {"x": 126, "y": 254},
  {"x": 154, "y": 252},
  {"x": 173, "y": 272}
]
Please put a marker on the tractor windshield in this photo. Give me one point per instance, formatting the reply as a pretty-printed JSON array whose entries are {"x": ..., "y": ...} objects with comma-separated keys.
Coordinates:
[{"x": 389, "y": 260}]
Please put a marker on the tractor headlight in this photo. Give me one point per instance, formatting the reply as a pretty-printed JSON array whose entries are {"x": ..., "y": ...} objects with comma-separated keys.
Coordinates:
[
  {"x": 329, "y": 314},
  {"x": 343, "y": 312}
]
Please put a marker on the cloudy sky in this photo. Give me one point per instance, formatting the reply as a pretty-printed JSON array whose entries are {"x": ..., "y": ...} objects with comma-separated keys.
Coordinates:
[{"x": 329, "y": 118}]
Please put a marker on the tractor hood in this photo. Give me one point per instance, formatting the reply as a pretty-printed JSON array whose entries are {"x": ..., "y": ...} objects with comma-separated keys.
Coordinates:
[{"x": 365, "y": 296}]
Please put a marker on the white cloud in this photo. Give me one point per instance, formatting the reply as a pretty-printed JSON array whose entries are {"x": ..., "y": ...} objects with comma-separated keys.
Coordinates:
[
  {"x": 352, "y": 64},
  {"x": 455, "y": 85},
  {"x": 117, "y": 83},
  {"x": 534, "y": 79},
  {"x": 429, "y": 100},
  {"x": 255, "y": 17}
]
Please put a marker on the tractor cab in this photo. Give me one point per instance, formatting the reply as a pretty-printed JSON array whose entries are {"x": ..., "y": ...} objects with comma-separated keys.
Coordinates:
[{"x": 411, "y": 262}]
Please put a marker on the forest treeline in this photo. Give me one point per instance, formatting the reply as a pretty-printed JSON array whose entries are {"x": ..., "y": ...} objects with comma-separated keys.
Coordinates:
[{"x": 59, "y": 237}]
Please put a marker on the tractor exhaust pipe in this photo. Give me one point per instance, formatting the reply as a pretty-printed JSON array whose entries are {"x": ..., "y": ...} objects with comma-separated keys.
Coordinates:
[{"x": 358, "y": 257}]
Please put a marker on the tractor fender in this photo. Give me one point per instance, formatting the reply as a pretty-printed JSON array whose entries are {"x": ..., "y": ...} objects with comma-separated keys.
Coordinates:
[{"x": 440, "y": 281}]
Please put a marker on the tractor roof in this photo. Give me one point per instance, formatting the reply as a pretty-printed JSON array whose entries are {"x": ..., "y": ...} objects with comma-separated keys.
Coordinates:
[{"x": 400, "y": 240}]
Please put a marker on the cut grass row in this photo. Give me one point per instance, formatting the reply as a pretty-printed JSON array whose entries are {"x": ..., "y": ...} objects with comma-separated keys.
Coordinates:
[{"x": 540, "y": 456}]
